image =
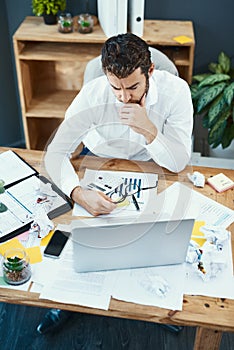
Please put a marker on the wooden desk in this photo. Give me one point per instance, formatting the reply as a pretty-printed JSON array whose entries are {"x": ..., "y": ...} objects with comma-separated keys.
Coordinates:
[{"x": 211, "y": 316}]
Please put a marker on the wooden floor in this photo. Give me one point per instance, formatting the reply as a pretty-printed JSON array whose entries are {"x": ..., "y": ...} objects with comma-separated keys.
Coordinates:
[{"x": 87, "y": 332}]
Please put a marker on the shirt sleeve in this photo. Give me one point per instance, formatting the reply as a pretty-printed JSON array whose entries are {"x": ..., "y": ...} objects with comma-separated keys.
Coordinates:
[
  {"x": 171, "y": 148},
  {"x": 69, "y": 135},
  {"x": 84, "y": 113}
]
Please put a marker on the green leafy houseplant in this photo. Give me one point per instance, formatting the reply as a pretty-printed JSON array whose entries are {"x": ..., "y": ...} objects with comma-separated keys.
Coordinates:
[
  {"x": 213, "y": 97},
  {"x": 48, "y": 7}
]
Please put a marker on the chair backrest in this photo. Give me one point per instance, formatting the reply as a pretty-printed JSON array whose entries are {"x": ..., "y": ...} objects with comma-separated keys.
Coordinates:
[{"x": 161, "y": 61}]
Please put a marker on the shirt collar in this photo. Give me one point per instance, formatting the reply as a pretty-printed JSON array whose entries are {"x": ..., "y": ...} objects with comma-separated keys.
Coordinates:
[{"x": 152, "y": 95}]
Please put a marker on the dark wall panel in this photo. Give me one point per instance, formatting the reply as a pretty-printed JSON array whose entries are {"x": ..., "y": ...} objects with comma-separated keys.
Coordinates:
[
  {"x": 10, "y": 122},
  {"x": 213, "y": 25}
]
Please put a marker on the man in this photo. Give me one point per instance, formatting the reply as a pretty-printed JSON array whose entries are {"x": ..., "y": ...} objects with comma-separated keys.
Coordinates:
[{"x": 132, "y": 112}]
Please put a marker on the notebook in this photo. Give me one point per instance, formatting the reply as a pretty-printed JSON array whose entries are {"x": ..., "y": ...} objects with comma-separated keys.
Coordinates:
[
  {"x": 25, "y": 188},
  {"x": 122, "y": 243}
]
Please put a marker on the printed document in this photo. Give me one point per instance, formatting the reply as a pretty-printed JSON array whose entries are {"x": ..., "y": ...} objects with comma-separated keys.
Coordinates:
[
  {"x": 86, "y": 289},
  {"x": 26, "y": 195},
  {"x": 13, "y": 168},
  {"x": 21, "y": 201},
  {"x": 144, "y": 198},
  {"x": 179, "y": 199}
]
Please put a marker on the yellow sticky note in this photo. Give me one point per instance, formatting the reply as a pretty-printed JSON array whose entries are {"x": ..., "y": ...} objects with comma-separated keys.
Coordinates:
[
  {"x": 197, "y": 235},
  {"x": 45, "y": 240},
  {"x": 12, "y": 243},
  {"x": 34, "y": 254},
  {"x": 182, "y": 39}
]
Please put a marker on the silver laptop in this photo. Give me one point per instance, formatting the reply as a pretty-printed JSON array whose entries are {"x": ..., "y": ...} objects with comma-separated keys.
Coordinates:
[{"x": 122, "y": 244}]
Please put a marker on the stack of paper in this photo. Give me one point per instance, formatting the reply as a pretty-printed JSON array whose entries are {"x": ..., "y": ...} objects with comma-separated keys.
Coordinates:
[{"x": 149, "y": 286}]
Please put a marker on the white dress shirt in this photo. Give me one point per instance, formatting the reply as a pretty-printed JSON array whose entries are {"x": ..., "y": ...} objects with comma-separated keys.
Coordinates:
[{"x": 93, "y": 119}]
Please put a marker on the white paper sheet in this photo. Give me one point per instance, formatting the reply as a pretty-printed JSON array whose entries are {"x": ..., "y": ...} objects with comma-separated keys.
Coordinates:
[
  {"x": 140, "y": 286},
  {"x": 145, "y": 198},
  {"x": 23, "y": 287},
  {"x": 86, "y": 289},
  {"x": 45, "y": 271},
  {"x": 95, "y": 289},
  {"x": 13, "y": 168},
  {"x": 179, "y": 200}
]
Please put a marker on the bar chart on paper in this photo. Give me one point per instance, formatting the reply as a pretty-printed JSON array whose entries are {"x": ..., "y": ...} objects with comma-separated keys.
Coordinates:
[{"x": 135, "y": 182}]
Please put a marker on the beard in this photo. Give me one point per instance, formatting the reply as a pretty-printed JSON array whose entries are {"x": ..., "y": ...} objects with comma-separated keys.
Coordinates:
[{"x": 138, "y": 101}]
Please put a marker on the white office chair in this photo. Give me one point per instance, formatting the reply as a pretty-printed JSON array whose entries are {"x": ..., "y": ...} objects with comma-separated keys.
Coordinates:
[{"x": 161, "y": 61}]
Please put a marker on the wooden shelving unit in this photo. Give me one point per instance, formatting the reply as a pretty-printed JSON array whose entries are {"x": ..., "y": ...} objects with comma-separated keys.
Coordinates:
[{"x": 50, "y": 67}]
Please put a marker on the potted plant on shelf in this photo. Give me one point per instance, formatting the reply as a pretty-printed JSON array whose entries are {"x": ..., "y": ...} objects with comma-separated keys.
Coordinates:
[
  {"x": 48, "y": 9},
  {"x": 213, "y": 98},
  {"x": 85, "y": 23}
]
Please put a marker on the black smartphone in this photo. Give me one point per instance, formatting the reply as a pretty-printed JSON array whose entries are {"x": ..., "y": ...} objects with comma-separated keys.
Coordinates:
[{"x": 56, "y": 244}]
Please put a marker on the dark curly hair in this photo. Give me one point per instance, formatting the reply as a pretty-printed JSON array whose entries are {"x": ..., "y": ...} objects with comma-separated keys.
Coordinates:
[{"x": 124, "y": 53}]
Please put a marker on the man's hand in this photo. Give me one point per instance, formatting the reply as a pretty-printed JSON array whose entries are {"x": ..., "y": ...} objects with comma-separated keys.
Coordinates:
[
  {"x": 96, "y": 203},
  {"x": 135, "y": 116}
]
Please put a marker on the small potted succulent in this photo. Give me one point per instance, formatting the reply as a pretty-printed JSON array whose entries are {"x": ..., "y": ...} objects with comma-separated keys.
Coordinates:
[
  {"x": 48, "y": 9},
  {"x": 85, "y": 23},
  {"x": 16, "y": 267},
  {"x": 65, "y": 23}
]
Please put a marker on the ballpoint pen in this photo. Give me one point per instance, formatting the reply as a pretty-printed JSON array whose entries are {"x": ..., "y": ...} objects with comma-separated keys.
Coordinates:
[{"x": 135, "y": 202}]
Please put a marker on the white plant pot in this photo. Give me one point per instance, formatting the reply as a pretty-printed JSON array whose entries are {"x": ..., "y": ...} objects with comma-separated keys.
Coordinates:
[{"x": 219, "y": 152}]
